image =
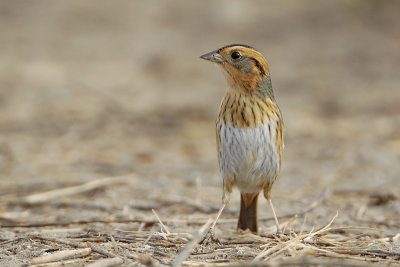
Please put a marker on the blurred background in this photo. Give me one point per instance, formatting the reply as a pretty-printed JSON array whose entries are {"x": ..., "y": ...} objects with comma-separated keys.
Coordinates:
[{"x": 93, "y": 89}]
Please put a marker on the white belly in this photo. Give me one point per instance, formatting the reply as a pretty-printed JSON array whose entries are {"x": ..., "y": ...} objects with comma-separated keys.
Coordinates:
[{"x": 249, "y": 157}]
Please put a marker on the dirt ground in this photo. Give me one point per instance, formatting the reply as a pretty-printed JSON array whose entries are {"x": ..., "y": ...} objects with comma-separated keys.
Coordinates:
[{"x": 107, "y": 121}]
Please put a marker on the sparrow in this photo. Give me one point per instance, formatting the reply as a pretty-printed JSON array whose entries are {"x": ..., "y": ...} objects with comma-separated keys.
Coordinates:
[{"x": 249, "y": 130}]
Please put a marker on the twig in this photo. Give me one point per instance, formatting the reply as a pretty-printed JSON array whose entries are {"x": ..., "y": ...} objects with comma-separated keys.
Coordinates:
[
  {"x": 71, "y": 262},
  {"x": 382, "y": 252},
  {"x": 191, "y": 244},
  {"x": 281, "y": 246},
  {"x": 325, "y": 228},
  {"x": 284, "y": 245},
  {"x": 11, "y": 240},
  {"x": 115, "y": 245},
  {"x": 101, "y": 251},
  {"x": 302, "y": 226},
  {"x": 34, "y": 225},
  {"x": 161, "y": 223},
  {"x": 74, "y": 244},
  {"x": 333, "y": 253},
  {"x": 67, "y": 191},
  {"x": 62, "y": 255},
  {"x": 148, "y": 221},
  {"x": 277, "y": 249},
  {"x": 106, "y": 262},
  {"x": 59, "y": 241},
  {"x": 371, "y": 252}
]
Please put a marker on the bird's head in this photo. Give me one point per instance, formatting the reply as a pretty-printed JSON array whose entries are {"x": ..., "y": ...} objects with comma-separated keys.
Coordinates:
[{"x": 244, "y": 67}]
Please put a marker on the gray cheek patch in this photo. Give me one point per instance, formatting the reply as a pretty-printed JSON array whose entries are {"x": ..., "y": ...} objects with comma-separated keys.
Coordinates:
[{"x": 246, "y": 65}]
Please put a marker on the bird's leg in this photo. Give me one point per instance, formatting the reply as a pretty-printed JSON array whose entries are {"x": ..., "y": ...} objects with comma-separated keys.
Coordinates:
[
  {"x": 226, "y": 196},
  {"x": 275, "y": 217},
  {"x": 210, "y": 232},
  {"x": 218, "y": 215}
]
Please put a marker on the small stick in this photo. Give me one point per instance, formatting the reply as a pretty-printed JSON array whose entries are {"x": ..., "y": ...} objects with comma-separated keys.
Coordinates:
[
  {"x": 191, "y": 244},
  {"x": 115, "y": 245},
  {"x": 101, "y": 251},
  {"x": 11, "y": 241},
  {"x": 326, "y": 227},
  {"x": 276, "y": 249},
  {"x": 148, "y": 238},
  {"x": 106, "y": 262},
  {"x": 141, "y": 227},
  {"x": 74, "y": 244},
  {"x": 333, "y": 253},
  {"x": 58, "y": 224},
  {"x": 148, "y": 221},
  {"x": 385, "y": 253},
  {"x": 59, "y": 241},
  {"x": 282, "y": 246},
  {"x": 72, "y": 262},
  {"x": 159, "y": 220},
  {"x": 72, "y": 190},
  {"x": 62, "y": 255}
]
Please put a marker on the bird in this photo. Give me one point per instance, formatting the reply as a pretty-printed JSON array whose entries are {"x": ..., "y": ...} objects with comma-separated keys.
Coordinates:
[{"x": 249, "y": 131}]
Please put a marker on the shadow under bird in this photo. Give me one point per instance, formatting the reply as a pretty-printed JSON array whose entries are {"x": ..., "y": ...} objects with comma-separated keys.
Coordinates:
[{"x": 249, "y": 130}]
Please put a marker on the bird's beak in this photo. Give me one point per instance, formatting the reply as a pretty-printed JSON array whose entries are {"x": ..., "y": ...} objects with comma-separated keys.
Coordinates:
[{"x": 213, "y": 57}]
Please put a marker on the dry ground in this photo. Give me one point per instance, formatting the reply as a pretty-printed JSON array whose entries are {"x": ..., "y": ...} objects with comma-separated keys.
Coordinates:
[{"x": 107, "y": 113}]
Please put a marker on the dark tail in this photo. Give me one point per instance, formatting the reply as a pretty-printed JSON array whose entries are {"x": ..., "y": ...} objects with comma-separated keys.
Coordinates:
[{"x": 248, "y": 212}]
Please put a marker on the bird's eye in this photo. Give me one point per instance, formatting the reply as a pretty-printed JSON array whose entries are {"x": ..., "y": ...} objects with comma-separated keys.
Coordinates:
[{"x": 236, "y": 55}]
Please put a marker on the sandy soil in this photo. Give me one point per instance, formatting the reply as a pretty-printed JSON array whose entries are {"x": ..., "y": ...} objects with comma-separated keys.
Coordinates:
[{"x": 110, "y": 100}]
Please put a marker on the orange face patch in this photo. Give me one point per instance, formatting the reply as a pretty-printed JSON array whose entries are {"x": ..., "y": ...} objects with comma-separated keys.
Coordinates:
[{"x": 244, "y": 74}]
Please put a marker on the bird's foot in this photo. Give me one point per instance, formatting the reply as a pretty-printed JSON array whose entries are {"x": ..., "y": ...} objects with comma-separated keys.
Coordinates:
[{"x": 210, "y": 238}]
